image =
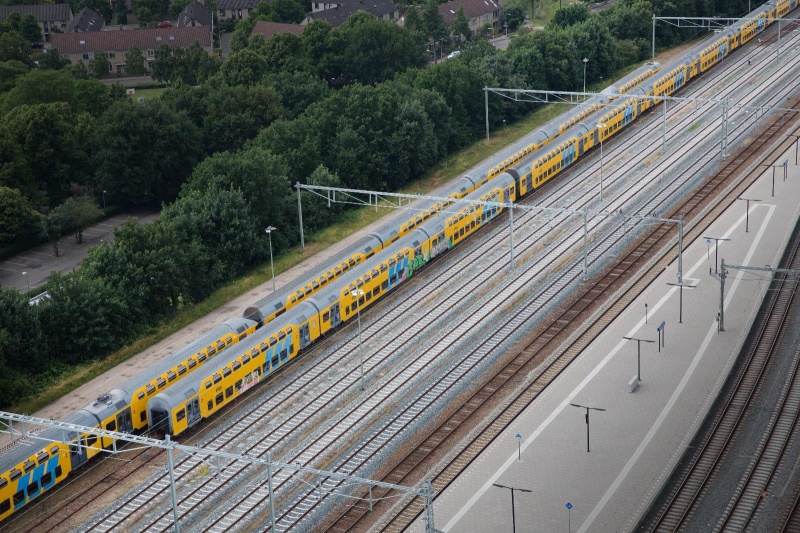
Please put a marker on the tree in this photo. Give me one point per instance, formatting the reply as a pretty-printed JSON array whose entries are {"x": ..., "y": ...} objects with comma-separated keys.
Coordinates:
[
  {"x": 40, "y": 87},
  {"x": 192, "y": 65},
  {"x": 29, "y": 29},
  {"x": 414, "y": 22},
  {"x": 9, "y": 72},
  {"x": 236, "y": 114},
  {"x": 92, "y": 97},
  {"x": 142, "y": 153},
  {"x": 99, "y": 66},
  {"x": 297, "y": 90},
  {"x": 21, "y": 342},
  {"x": 14, "y": 47},
  {"x": 79, "y": 70},
  {"x": 16, "y": 216},
  {"x": 513, "y": 16},
  {"x": 134, "y": 62},
  {"x": 435, "y": 27},
  {"x": 77, "y": 213},
  {"x": 459, "y": 28},
  {"x": 245, "y": 67},
  {"x": 571, "y": 14},
  {"x": 51, "y": 59},
  {"x": 54, "y": 225}
]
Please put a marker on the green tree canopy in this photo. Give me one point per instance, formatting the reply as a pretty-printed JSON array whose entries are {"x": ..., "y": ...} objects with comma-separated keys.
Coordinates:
[
  {"x": 99, "y": 66},
  {"x": 134, "y": 62},
  {"x": 17, "y": 219},
  {"x": 459, "y": 27},
  {"x": 29, "y": 28}
]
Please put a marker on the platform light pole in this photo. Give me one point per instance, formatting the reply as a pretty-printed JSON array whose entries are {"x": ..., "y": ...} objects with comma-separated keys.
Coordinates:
[
  {"x": 747, "y": 214},
  {"x": 600, "y": 125},
  {"x": 587, "y": 419},
  {"x": 716, "y": 250},
  {"x": 269, "y": 231},
  {"x": 358, "y": 293},
  {"x": 638, "y": 354},
  {"x": 513, "y": 514},
  {"x": 680, "y": 305},
  {"x": 104, "y": 199},
  {"x": 585, "y": 62}
]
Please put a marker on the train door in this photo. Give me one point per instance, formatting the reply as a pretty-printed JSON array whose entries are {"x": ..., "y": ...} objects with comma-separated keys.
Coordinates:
[
  {"x": 335, "y": 316},
  {"x": 305, "y": 337},
  {"x": 124, "y": 422},
  {"x": 77, "y": 452},
  {"x": 193, "y": 412}
]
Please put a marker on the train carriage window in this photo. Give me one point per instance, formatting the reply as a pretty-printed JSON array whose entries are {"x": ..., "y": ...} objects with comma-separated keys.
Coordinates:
[
  {"x": 180, "y": 415},
  {"x": 47, "y": 479},
  {"x": 15, "y": 474},
  {"x": 392, "y": 261},
  {"x": 384, "y": 268},
  {"x": 292, "y": 299},
  {"x": 217, "y": 378},
  {"x": 91, "y": 440},
  {"x": 307, "y": 291},
  {"x": 33, "y": 487},
  {"x": 273, "y": 341},
  {"x": 192, "y": 363},
  {"x": 237, "y": 365},
  {"x": 326, "y": 316},
  {"x": 375, "y": 291},
  {"x": 245, "y": 359},
  {"x": 274, "y": 360},
  {"x": 160, "y": 382},
  {"x": 150, "y": 389},
  {"x": 284, "y": 354},
  {"x": 229, "y": 340},
  {"x": 281, "y": 335},
  {"x": 53, "y": 450},
  {"x": 140, "y": 396},
  {"x": 338, "y": 271},
  {"x": 143, "y": 416},
  {"x": 369, "y": 296},
  {"x": 385, "y": 285},
  {"x": 220, "y": 345},
  {"x": 229, "y": 392},
  {"x": 219, "y": 399},
  {"x": 201, "y": 358},
  {"x": 360, "y": 283},
  {"x": 210, "y": 405},
  {"x": 211, "y": 351},
  {"x": 208, "y": 384},
  {"x": 171, "y": 375},
  {"x": 324, "y": 281},
  {"x": 226, "y": 371},
  {"x": 19, "y": 497},
  {"x": 42, "y": 457},
  {"x": 3, "y": 482},
  {"x": 181, "y": 369},
  {"x": 5, "y": 506},
  {"x": 315, "y": 285},
  {"x": 112, "y": 426},
  {"x": 28, "y": 466}
]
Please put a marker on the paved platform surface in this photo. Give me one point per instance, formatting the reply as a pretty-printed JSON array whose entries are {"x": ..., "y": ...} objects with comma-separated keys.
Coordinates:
[
  {"x": 638, "y": 439},
  {"x": 39, "y": 262}
]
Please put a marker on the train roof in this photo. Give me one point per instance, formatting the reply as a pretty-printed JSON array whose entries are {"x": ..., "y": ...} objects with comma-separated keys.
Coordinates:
[{"x": 232, "y": 325}]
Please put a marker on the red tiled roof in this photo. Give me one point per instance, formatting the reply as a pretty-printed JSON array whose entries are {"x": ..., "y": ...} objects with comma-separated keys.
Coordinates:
[
  {"x": 472, "y": 8},
  {"x": 268, "y": 29},
  {"x": 121, "y": 41}
]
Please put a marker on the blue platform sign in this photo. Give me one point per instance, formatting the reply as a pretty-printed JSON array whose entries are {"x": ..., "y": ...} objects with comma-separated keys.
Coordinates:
[
  {"x": 569, "y": 505},
  {"x": 517, "y": 436}
]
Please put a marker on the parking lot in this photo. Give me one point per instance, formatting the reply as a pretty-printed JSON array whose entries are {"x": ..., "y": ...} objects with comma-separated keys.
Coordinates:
[{"x": 32, "y": 268}]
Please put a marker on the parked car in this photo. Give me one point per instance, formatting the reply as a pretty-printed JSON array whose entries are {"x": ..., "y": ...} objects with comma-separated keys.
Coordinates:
[
  {"x": 165, "y": 24},
  {"x": 453, "y": 54}
]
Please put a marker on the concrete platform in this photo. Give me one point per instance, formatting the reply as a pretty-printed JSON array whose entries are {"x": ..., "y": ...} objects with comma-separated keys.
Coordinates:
[{"x": 638, "y": 439}]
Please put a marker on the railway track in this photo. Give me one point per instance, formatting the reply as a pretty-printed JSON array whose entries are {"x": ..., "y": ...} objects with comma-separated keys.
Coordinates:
[
  {"x": 286, "y": 432},
  {"x": 417, "y": 464}
]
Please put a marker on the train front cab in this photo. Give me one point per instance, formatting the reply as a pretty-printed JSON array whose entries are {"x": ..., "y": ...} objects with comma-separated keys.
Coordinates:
[{"x": 33, "y": 475}]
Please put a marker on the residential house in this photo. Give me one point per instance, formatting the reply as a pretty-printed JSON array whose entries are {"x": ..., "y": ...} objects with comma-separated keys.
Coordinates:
[
  {"x": 114, "y": 44},
  {"x": 86, "y": 20},
  {"x": 335, "y": 16},
  {"x": 236, "y": 9},
  {"x": 195, "y": 14},
  {"x": 479, "y": 13},
  {"x": 268, "y": 29},
  {"x": 49, "y": 16}
]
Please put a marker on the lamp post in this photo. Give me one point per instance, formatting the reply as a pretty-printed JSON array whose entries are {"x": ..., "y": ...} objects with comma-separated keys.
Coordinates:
[
  {"x": 104, "y": 199},
  {"x": 747, "y": 219},
  {"x": 587, "y": 419},
  {"x": 358, "y": 293},
  {"x": 638, "y": 355},
  {"x": 716, "y": 249},
  {"x": 269, "y": 231},
  {"x": 600, "y": 126},
  {"x": 680, "y": 305},
  {"x": 27, "y": 279},
  {"x": 585, "y": 61},
  {"x": 513, "y": 516}
]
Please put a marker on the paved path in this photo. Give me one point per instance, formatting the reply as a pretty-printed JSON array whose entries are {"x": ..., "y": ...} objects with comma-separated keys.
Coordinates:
[
  {"x": 37, "y": 263},
  {"x": 638, "y": 440}
]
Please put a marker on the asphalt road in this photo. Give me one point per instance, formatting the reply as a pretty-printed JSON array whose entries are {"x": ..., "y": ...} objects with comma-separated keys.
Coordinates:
[{"x": 37, "y": 263}]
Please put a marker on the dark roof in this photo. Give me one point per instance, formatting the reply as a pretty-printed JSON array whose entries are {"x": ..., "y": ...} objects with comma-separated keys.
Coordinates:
[
  {"x": 196, "y": 11},
  {"x": 238, "y": 4},
  {"x": 42, "y": 12},
  {"x": 338, "y": 15},
  {"x": 472, "y": 8},
  {"x": 268, "y": 29},
  {"x": 121, "y": 41},
  {"x": 86, "y": 20}
]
